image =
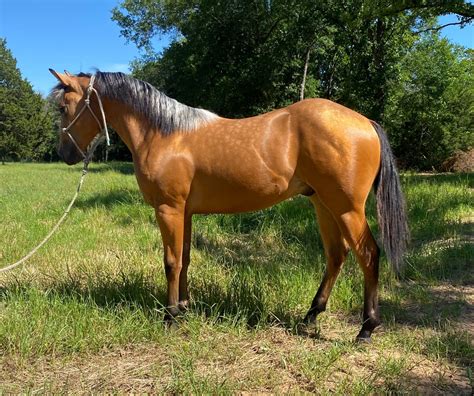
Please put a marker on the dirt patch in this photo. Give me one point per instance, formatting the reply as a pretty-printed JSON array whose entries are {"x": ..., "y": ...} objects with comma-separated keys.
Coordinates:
[
  {"x": 124, "y": 369},
  {"x": 270, "y": 360},
  {"x": 460, "y": 161}
]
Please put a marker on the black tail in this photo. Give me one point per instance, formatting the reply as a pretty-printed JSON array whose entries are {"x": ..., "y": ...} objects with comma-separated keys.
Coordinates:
[{"x": 391, "y": 210}]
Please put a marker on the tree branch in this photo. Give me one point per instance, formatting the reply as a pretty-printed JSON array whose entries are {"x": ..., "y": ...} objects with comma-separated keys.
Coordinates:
[
  {"x": 438, "y": 28},
  {"x": 460, "y": 8}
]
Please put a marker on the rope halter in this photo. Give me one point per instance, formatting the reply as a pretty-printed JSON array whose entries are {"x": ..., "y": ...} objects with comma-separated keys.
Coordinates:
[{"x": 103, "y": 126}]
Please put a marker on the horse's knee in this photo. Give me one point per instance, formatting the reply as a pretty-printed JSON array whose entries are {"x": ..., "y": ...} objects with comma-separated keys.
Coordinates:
[{"x": 172, "y": 266}]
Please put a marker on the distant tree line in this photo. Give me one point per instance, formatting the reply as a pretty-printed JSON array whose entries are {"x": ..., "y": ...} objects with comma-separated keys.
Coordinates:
[
  {"x": 27, "y": 122},
  {"x": 238, "y": 58}
]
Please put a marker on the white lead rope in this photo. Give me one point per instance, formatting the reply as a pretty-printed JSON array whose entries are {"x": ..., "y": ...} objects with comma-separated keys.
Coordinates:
[
  {"x": 53, "y": 230},
  {"x": 87, "y": 159}
]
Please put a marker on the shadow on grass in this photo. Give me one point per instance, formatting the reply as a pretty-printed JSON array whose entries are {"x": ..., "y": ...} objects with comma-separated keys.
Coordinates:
[
  {"x": 109, "y": 199},
  {"x": 290, "y": 223},
  {"x": 125, "y": 168},
  {"x": 243, "y": 302},
  {"x": 438, "y": 308},
  {"x": 132, "y": 290},
  {"x": 428, "y": 306}
]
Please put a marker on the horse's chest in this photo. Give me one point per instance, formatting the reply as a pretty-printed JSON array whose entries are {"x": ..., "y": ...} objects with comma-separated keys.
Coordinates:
[
  {"x": 165, "y": 181},
  {"x": 146, "y": 189}
]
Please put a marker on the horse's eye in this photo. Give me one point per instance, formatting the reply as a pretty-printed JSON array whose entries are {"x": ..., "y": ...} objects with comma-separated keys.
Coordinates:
[{"x": 62, "y": 109}]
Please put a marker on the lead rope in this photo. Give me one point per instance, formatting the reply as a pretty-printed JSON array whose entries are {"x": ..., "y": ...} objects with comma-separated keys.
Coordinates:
[
  {"x": 53, "y": 230},
  {"x": 87, "y": 159}
]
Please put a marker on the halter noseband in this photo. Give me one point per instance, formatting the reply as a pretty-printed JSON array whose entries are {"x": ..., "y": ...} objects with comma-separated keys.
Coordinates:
[{"x": 103, "y": 129}]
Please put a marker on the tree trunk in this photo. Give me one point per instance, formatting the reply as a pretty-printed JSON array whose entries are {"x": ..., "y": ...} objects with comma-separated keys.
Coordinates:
[
  {"x": 380, "y": 76},
  {"x": 305, "y": 72}
]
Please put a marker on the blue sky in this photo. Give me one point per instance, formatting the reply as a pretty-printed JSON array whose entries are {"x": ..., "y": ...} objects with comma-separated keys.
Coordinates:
[{"x": 78, "y": 35}]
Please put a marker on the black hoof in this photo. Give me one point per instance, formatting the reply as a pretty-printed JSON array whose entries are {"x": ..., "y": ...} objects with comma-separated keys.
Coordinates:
[
  {"x": 364, "y": 336},
  {"x": 170, "y": 316},
  {"x": 308, "y": 328},
  {"x": 310, "y": 317},
  {"x": 183, "y": 305}
]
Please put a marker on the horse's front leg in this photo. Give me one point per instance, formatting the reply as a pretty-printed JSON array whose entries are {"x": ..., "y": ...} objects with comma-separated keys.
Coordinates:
[
  {"x": 183, "y": 277},
  {"x": 171, "y": 221}
]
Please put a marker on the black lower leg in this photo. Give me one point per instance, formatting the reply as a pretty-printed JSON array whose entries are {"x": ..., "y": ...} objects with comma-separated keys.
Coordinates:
[
  {"x": 371, "y": 317},
  {"x": 317, "y": 306},
  {"x": 321, "y": 298},
  {"x": 368, "y": 326}
]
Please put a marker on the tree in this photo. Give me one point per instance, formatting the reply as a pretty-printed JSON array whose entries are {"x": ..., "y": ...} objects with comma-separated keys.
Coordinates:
[
  {"x": 26, "y": 123},
  {"x": 243, "y": 57},
  {"x": 431, "y": 106},
  {"x": 232, "y": 56}
]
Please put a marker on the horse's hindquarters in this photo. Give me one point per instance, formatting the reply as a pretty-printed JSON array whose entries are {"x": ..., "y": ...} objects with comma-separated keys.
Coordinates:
[{"x": 339, "y": 152}]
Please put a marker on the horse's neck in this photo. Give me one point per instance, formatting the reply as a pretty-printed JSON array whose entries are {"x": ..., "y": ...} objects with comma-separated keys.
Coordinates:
[{"x": 129, "y": 125}]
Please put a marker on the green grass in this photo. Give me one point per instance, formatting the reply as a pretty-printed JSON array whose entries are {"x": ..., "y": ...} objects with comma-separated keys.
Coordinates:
[{"x": 86, "y": 311}]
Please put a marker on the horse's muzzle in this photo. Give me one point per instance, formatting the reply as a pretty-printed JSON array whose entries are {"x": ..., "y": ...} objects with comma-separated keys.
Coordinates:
[{"x": 69, "y": 154}]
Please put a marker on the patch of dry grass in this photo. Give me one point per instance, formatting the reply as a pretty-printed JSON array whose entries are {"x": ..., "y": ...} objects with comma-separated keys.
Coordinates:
[{"x": 270, "y": 360}]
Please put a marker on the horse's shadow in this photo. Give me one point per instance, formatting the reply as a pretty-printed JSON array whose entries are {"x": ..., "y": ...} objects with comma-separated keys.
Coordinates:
[
  {"x": 125, "y": 168},
  {"x": 109, "y": 199}
]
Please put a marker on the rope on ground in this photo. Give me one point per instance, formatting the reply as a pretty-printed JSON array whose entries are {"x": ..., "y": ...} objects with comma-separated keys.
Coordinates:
[{"x": 53, "y": 230}]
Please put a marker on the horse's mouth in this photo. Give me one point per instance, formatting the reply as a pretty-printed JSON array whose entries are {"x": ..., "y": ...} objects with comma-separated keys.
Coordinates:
[{"x": 70, "y": 155}]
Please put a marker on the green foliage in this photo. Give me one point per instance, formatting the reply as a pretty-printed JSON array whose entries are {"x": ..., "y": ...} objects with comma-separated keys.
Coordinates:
[
  {"x": 240, "y": 58},
  {"x": 26, "y": 120},
  {"x": 244, "y": 57},
  {"x": 431, "y": 107}
]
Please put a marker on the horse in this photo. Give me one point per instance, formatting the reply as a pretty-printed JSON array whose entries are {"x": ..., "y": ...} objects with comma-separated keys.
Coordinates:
[{"x": 191, "y": 161}]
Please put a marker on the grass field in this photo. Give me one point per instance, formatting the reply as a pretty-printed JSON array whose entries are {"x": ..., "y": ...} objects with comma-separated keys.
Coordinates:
[{"x": 85, "y": 314}]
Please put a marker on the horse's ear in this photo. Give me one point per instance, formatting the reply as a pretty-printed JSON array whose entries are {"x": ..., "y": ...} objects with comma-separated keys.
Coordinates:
[
  {"x": 67, "y": 73},
  {"x": 67, "y": 80},
  {"x": 63, "y": 79}
]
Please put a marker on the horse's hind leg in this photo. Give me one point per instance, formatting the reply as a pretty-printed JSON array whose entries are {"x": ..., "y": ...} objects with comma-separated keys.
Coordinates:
[
  {"x": 348, "y": 212},
  {"x": 354, "y": 227},
  {"x": 336, "y": 249}
]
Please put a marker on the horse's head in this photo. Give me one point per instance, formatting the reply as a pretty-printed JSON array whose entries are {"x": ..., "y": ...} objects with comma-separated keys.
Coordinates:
[{"x": 79, "y": 122}]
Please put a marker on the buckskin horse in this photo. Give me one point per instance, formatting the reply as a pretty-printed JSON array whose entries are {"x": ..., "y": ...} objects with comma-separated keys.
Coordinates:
[{"x": 189, "y": 161}]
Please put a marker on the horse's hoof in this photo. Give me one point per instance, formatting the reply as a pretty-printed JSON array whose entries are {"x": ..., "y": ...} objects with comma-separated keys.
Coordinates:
[
  {"x": 364, "y": 337},
  {"x": 308, "y": 329},
  {"x": 170, "y": 317},
  {"x": 183, "y": 305},
  {"x": 171, "y": 322},
  {"x": 171, "y": 325}
]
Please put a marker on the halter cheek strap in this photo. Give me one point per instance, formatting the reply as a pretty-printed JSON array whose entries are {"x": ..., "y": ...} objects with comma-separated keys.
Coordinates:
[{"x": 103, "y": 126}]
